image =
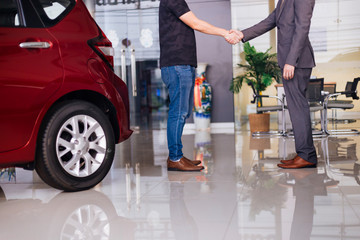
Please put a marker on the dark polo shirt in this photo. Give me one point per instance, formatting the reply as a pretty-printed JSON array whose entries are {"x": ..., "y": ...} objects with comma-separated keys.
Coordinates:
[{"x": 177, "y": 40}]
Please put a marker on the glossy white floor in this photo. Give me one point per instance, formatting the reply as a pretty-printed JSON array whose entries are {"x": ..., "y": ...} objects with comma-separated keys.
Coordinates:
[{"x": 241, "y": 194}]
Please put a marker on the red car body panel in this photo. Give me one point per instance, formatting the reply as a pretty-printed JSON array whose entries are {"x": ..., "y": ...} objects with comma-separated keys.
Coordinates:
[
  {"x": 23, "y": 90},
  {"x": 32, "y": 81}
]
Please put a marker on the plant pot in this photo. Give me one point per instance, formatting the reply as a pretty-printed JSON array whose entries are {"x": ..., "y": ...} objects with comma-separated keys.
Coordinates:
[
  {"x": 259, "y": 143},
  {"x": 259, "y": 122}
]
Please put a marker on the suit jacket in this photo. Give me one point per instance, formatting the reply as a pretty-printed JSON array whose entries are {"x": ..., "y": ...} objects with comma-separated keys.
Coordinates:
[{"x": 292, "y": 19}]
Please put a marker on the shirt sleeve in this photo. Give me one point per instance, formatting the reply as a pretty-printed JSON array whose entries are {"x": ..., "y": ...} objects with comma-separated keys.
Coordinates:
[
  {"x": 178, "y": 7},
  {"x": 259, "y": 29}
]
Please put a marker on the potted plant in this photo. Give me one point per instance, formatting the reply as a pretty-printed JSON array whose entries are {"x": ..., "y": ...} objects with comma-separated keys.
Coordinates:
[{"x": 261, "y": 71}]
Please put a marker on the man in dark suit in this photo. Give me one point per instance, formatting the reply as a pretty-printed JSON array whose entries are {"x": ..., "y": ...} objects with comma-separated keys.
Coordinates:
[{"x": 296, "y": 60}]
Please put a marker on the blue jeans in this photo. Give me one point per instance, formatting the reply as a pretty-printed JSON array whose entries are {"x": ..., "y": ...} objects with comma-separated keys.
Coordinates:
[{"x": 180, "y": 82}]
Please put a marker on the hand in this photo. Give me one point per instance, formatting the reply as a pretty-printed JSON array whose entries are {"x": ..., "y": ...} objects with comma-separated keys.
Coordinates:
[
  {"x": 288, "y": 72},
  {"x": 239, "y": 33},
  {"x": 233, "y": 37}
]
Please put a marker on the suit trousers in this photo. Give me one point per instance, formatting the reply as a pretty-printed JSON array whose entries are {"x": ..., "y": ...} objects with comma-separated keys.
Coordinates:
[{"x": 299, "y": 110}]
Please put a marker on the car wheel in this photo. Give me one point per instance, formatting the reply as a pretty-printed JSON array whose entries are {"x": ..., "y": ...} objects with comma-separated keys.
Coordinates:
[
  {"x": 76, "y": 147},
  {"x": 88, "y": 215}
]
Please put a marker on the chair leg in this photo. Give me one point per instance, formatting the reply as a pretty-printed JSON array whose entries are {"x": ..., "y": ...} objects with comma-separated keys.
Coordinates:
[
  {"x": 321, "y": 132},
  {"x": 283, "y": 123},
  {"x": 325, "y": 120},
  {"x": 343, "y": 132},
  {"x": 269, "y": 133},
  {"x": 337, "y": 131}
]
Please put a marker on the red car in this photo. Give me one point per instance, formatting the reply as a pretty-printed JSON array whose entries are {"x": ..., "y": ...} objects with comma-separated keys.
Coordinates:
[{"x": 62, "y": 108}]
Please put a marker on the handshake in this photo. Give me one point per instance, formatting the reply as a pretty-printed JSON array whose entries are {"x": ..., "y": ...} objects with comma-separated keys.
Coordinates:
[{"x": 234, "y": 36}]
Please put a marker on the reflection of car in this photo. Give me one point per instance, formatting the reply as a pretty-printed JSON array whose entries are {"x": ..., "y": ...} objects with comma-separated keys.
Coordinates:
[
  {"x": 62, "y": 108},
  {"x": 87, "y": 215}
]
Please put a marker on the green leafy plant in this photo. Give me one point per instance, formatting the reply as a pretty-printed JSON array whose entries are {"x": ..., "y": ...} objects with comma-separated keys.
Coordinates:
[{"x": 262, "y": 69}]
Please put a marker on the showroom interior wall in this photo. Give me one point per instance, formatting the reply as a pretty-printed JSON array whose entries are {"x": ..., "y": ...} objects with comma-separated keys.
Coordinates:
[
  {"x": 334, "y": 33},
  {"x": 217, "y": 53}
]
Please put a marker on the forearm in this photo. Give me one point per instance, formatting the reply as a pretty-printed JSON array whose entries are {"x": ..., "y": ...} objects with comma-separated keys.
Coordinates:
[
  {"x": 262, "y": 27},
  {"x": 207, "y": 28},
  {"x": 192, "y": 21}
]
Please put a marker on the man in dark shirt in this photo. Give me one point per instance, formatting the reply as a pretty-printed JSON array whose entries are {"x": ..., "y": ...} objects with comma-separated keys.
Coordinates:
[{"x": 178, "y": 62}]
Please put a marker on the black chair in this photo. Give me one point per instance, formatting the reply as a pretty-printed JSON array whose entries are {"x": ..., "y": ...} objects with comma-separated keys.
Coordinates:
[
  {"x": 314, "y": 91},
  {"x": 330, "y": 88},
  {"x": 315, "y": 97},
  {"x": 270, "y": 108},
  {"x": 350, "y": 91}
]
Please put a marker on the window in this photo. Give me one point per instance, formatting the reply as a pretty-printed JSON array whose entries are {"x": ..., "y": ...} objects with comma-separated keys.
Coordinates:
[
  {"x": 52, "y": 11},
  {"x": 9, "y": 16},
  {"x": 54, "y": 8}
]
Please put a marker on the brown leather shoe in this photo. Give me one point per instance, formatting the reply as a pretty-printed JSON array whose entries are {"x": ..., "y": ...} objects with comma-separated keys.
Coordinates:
[
  {"x": 195, "y": 162},
  {"x": 298, "y": 162},
  {"x": 290, "y": 161},
  {"x": 182, "y": 165}
]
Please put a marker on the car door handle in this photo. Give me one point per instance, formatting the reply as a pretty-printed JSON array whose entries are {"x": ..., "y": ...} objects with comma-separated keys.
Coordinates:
[{"x": 34, "y": 45}]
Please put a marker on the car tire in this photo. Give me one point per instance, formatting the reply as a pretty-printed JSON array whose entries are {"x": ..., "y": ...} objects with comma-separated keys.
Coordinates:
[{"x": 76, "y": 147}]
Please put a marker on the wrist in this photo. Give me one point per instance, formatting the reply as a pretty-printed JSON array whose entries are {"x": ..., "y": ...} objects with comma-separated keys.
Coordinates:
[{"x": 224, "y": 33}]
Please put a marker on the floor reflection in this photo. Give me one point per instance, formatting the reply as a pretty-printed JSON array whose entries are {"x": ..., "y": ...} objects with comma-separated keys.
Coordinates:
[
  {"x": 306, "y": 184},
  {"x": 241, "y": 194},
  {"x": 302, "y": 203},
  {"x": 86, "y": 215},
  {"x": 339, "y": 153},
  {"x": 182, "y": 222}
]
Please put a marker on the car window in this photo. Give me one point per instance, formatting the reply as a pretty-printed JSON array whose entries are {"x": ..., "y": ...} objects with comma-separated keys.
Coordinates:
[
  {"x": 52, "y": 11},
  {"x": 54, "y": 8},
  {"x": 9, "y": 16}
]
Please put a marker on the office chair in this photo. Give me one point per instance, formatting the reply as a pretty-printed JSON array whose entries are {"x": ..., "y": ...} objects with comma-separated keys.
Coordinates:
[
  {"x": 271, "y": 108},
  {"x": 330, "y": 88},
  {"x": 350, "y": 91},
  {"x": 315, "y": 97}
]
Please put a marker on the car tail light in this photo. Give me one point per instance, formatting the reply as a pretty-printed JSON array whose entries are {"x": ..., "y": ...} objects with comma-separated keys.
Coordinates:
[{"x": 103, "y": 47}]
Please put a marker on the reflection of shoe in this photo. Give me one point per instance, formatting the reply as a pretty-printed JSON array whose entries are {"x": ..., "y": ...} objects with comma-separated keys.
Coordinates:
[
  {"x": 180, "y": 176},
  {"x": 195, "y": 162},
  {"x": 183, "y": 165},
  {"x": 298, "y": 162},
  {"x": 299, "y": 174},
  {"x": 290, "y": 161}
]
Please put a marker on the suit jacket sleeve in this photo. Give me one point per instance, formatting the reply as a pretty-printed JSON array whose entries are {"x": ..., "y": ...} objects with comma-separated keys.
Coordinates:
[
  {"x": 262, "y": 27},
  {"x": 303, "y": 14}
]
